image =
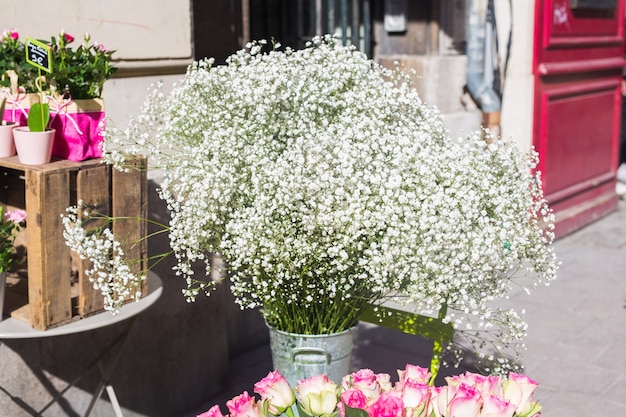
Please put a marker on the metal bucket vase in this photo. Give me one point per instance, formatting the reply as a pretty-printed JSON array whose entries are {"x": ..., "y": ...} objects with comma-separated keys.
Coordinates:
[{"x": 301, "y": 356}]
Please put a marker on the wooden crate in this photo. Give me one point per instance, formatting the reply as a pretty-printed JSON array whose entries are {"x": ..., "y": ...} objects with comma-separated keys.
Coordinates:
[{"x": 51, "y": 288}]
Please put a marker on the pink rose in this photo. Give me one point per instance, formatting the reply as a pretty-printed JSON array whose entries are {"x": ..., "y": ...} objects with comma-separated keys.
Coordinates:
[
  {"x": 317, "y": 395},
  {"x": 415, "y": 394},
  {"x": 352, "y": 398},
  {"x": 485, "y": 384},
  {"x": 14, "y": 35},
  {"x": 244, "y": 406},
  {"x": 384, "y": 380},
  {"x": 212, "y": 412},
  {"x": 461, "y": 401},
  {"x": 389, "y": 404},
  {"x": 66, "y": 36},
  {"x": 466, "y": 403},
  {"x": 365, "y": 381},
  {"x": 496, "y": 407},
  {"x": 519, "y": 389},
  {"x": 275, "y": 389},
  {"x": 16, "y": 216},
  {"x": 414, "y": 372}
]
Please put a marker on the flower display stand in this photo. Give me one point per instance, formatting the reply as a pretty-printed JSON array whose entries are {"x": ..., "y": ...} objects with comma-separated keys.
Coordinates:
[{"x": 51, "y": 288}]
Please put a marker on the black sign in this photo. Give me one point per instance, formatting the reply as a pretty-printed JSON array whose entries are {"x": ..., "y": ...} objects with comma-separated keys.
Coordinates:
[{"x": 38, "y": 54}]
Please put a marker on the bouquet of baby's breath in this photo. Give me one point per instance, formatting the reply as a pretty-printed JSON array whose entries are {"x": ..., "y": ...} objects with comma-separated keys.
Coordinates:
[{"x": 327, "y": 184}]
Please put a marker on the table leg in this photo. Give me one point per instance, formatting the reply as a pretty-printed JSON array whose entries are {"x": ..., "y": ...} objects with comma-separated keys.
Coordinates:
[{"x": 115, "y": 353}]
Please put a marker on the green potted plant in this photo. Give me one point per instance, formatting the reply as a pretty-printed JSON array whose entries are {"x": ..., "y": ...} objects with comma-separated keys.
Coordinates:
[
  {"x": 13, "y": 61},
  {"x": 34, "y": 142},
  {"x": 33, "y": 138},
  {"x": 18, "y": 78},
  {"x": 82, "y": 71},
  {"x": 11, "y": 57},
  {"x": 75, "y": 87},
  {"x": 77, "y": 83}
]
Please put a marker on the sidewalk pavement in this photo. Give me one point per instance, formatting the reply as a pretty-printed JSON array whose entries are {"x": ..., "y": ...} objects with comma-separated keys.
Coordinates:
[{"x": 576, "y": 344}]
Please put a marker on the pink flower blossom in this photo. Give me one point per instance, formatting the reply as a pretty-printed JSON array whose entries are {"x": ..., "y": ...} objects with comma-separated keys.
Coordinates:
[
  {"x": 9, "y": 34},
  {"x": 389, "y": 404},
  {"x": 496, "y": 407},
  {"x": 364, "y": 380},
  {"x": 466, "y": 402},
  {"x": 415, "y": 394},
  {"x": 461, "y": 401},
  {"x": 244, "y": 406},
  {"x": 16, "y": 216},
  {"x": 465, "y": 395},
  {"x": 66, "y": 36},
  {"x": 354, "y": 398},
  {"x": 485, "y": 384},
  {"x": 414, "y": 372},
  {"x": 317, "y": 395},
  {"x": 212, "y": 412},
  {"x": 519, "y": 389},
  {"x": 276, "y": 390},
  {"x": 100, "y": 47}
]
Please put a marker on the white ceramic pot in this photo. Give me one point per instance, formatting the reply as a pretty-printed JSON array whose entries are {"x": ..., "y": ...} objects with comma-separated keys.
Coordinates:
[
  {"x": 33, "y": 148},
  {"x": 7, "y": 145}
]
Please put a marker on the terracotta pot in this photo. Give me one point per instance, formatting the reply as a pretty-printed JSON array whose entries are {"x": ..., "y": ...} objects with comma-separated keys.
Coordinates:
[
  {"x": 33, "y": 148},
  {"x": 7, "y": 145}
]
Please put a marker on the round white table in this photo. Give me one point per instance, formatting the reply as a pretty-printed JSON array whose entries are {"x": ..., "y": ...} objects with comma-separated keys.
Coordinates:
[{"x": 11, "y": 328}]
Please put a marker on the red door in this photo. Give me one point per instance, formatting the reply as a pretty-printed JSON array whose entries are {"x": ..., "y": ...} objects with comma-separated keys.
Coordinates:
[{"x": 578, "y": 59}]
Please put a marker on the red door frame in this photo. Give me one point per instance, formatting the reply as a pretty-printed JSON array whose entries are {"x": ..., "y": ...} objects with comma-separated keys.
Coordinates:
[{"x": 577, "y": 67}]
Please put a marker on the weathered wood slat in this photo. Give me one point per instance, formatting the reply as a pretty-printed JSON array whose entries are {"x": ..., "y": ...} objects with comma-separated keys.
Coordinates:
[
  {"x": 49, "y": 294},
  {"x": 94, "y": 188}
]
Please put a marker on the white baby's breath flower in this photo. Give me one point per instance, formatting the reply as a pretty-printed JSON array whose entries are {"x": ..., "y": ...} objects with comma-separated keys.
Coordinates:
[
  {"x": 321, "y": 176},
  {"x": 110, "y": 272}
]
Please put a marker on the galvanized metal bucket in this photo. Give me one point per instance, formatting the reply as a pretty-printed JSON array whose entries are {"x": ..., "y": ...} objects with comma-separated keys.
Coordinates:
[{"x": 301, "y": 356}]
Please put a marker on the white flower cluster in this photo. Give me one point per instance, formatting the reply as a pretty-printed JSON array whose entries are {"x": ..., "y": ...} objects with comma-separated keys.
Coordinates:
[
  {"x": 323, "y": 179},
  {"x": 109, "y": 272}
]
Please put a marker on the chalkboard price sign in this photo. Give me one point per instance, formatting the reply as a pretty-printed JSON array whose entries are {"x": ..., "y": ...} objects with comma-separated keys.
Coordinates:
[{"x": 38, "y": 54}]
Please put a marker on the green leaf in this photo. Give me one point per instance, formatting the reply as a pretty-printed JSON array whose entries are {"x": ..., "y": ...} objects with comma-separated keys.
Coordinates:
[
  {"x": 38, "y": 117},
  {"x": 355, "y": 412},
  {"x": 301, "y": 411}
]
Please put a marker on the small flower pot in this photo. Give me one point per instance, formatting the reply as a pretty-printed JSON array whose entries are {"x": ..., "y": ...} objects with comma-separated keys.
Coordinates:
[
  {"x": 7, "y": 145},
  {"x": 33, "y": 148}
]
